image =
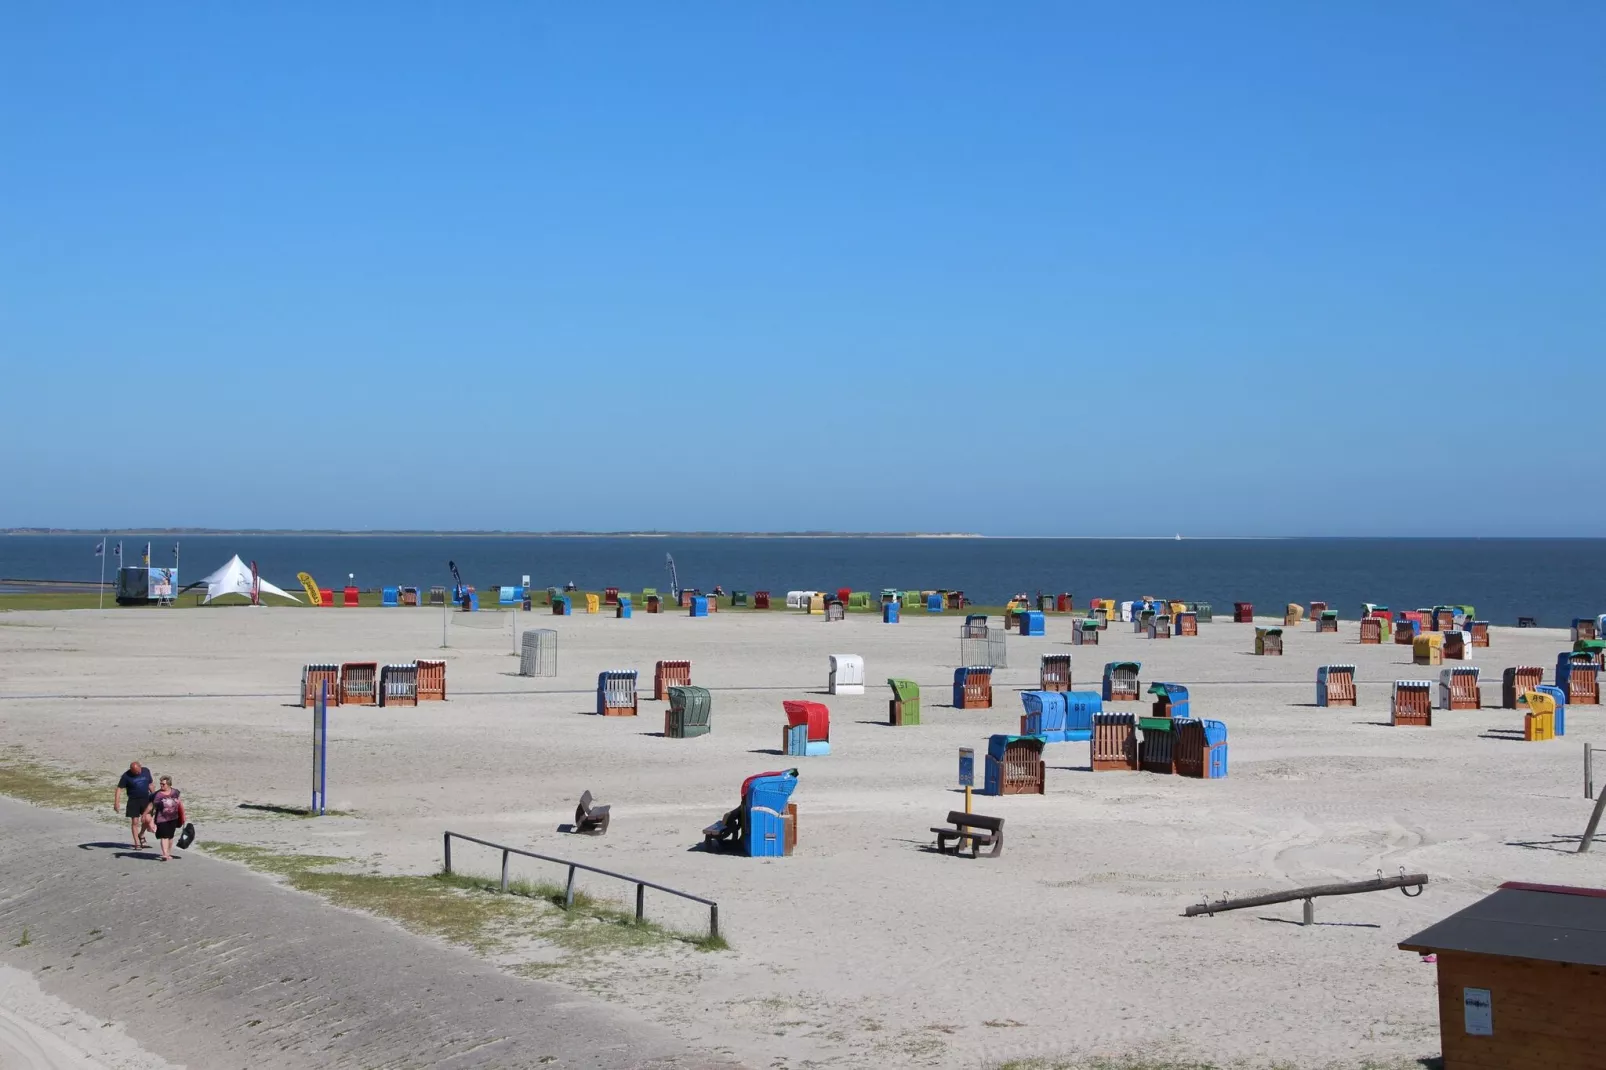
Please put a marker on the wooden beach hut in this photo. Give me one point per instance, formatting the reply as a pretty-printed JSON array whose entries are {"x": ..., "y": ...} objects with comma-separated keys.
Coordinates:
[{"x": 1522, "y": 977}]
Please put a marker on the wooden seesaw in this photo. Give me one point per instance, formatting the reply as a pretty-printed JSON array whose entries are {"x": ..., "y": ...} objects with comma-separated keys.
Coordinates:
[{"x": 1311, "y": 892}]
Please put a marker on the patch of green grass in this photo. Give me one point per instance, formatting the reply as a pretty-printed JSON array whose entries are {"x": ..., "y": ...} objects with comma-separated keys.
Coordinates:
[
  {"x": 591, "y": 924},
  {"x": 467, "y": 909},
  {"x": 421, "y": 904},
  {"x": 23, "y": 778},
  {"x": 266, "y": 861},
  {"x": 53, "y": 600},
  {"x": 26, "y": 939}
]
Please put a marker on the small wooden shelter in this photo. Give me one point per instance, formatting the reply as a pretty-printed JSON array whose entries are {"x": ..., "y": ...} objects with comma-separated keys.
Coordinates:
[{"x": 1522, "y": 977}]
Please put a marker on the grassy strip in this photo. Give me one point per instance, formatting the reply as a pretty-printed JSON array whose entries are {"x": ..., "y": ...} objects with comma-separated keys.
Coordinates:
[
  {"x": 23, "y": 778},
  {"x": 618, "y": 925},
  {"x": 462, "y": 908},
  {"x": 469, "y": 910}
]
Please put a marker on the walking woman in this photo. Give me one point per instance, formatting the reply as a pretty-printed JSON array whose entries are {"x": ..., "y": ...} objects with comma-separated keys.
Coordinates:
[{"x": 168, "y": 812}]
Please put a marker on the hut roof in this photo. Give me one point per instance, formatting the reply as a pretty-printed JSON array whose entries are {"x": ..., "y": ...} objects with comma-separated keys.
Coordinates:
[{"x": 1548, "y": 922}]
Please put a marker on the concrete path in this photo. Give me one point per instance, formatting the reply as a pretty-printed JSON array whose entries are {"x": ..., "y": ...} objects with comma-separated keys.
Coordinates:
[{"x": 214, "y": 967}]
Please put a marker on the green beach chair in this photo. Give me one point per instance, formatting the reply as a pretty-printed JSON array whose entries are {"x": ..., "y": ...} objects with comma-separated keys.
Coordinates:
[
  {"x": 904, "y": 709},
  {"x": 688, "y": 712}
]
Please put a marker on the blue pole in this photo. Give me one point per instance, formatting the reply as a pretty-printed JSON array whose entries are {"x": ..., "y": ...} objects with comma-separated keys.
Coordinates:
[{"x": 320, "y": 750}]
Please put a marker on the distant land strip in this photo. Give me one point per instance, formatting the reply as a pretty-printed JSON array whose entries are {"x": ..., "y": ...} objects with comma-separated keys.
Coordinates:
[{"x": 125, "y": 532}]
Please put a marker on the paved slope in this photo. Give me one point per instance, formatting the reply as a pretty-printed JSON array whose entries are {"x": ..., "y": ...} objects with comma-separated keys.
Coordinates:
[{"x": 214, "y": 967}]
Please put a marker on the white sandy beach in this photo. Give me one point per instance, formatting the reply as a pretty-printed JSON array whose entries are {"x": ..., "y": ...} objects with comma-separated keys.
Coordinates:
[
  {"x": 865, "y": 949},
  {"x": 40, "y": 1032}
]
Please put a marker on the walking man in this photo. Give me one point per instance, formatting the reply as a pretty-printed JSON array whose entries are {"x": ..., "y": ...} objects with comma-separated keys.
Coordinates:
[{"x": 137, "y": 783}]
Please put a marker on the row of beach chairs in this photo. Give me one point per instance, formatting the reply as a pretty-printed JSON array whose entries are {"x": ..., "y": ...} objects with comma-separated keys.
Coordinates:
[{"x": 367, "y": 683}]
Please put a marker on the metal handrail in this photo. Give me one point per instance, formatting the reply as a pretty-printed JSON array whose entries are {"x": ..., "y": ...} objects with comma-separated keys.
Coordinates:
[{"x": 568, "y": 891}]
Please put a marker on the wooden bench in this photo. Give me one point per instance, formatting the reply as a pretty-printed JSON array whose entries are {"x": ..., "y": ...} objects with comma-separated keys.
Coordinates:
[
  {"x": 589, "y": 819},
  {"x": 727, "y": 830},
  {"x": 980, "y": 831}
]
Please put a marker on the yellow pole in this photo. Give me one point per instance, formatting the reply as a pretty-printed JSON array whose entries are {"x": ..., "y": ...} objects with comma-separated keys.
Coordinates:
[{"x": 967, "y": 798}]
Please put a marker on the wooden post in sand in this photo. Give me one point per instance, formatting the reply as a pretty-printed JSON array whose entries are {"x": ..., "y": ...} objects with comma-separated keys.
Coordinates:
[
  {"x": 967, "y": 777},
  {"x": 1594, "y": 823}
]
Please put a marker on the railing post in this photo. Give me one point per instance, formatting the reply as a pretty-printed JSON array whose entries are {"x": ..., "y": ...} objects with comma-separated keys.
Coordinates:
[{"x": 574, "y": 869}]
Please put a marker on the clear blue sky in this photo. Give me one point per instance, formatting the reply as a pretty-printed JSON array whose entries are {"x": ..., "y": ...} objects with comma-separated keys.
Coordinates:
[{"x": 1049, "y": 268}]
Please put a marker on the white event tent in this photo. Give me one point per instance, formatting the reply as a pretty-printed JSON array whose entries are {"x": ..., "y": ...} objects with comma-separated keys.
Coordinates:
[{"x": 235, "y": 578}]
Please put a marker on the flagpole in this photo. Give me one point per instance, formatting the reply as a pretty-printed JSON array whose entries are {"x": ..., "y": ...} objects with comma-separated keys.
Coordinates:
[{"x": 102, "y": 571}]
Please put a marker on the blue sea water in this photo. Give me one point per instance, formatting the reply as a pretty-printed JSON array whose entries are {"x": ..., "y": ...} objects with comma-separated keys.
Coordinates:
[{"x": 1551, "y": 579}]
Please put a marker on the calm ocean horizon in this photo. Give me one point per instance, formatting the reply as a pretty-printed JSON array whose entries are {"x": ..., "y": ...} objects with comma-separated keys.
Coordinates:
[{"x": 1553, "y": 580}]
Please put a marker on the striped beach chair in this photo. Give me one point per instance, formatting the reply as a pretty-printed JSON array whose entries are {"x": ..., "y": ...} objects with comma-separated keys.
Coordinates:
[
  {"x": 358, "y": 682},
  {"x": 1335, "y": 685},
  {"x": 1055, "y": 673},
  {"x": 1115, "y": 742},
  {"x": 1577, "y": 676},
  {"x": 616, "y": 693},
  {"x": 973, "y": 688},
  {"x": 313, "y": 680},
  {"x": 1411, "y": 704},
  {"x": 1200, "y": 749},
  {"x": 398, "y": 685},
  {"x": 1518, "y": 681},
  {"x": 431, "y": 681},
  {"x": 1120, "y": 683},
  {"x": 667, "y": 674},
  {"x": 1458, "y": 688}
]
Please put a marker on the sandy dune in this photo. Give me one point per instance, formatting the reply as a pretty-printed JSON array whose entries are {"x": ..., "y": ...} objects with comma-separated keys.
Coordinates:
[
  {"x": 40, "y": 1032},
  {"x": 865, "y": 949}
]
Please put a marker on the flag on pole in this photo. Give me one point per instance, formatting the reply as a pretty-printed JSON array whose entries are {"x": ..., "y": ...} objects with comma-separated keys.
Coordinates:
[
  {"x": 100, "y": 548},
  {"x": 119, "y": 550}
]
